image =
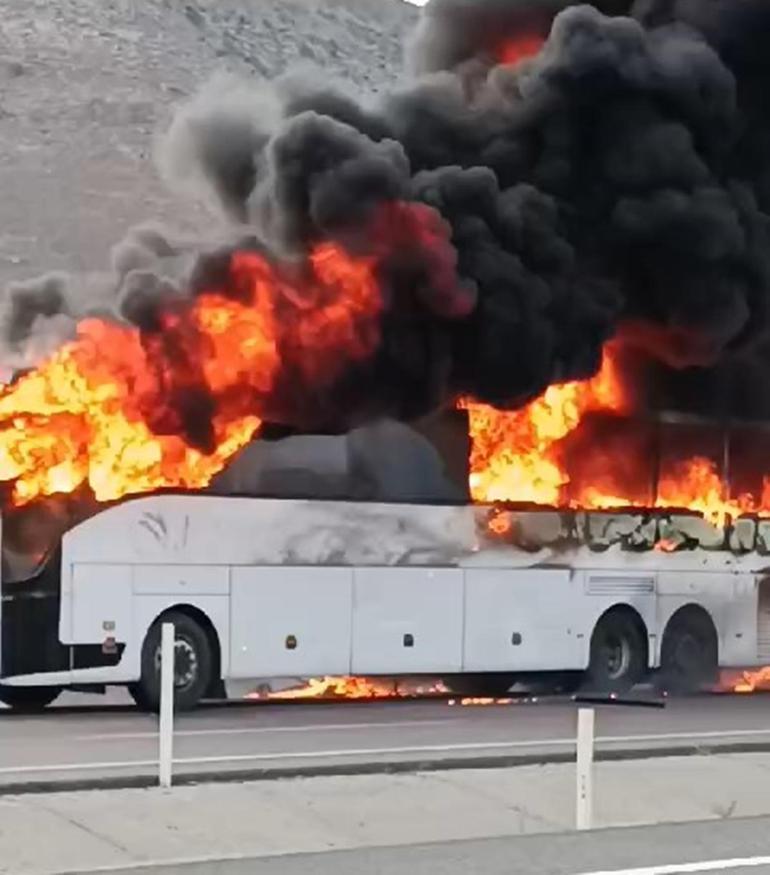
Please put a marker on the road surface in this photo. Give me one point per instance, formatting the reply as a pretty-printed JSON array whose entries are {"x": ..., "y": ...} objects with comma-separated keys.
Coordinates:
[
  {"x": 119, "y": 745},
  {"x": 654, "y": 850}
]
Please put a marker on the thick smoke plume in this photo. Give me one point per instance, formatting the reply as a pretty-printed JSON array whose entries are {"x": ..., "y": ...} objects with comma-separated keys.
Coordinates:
[{"x": 580, "y": 171}]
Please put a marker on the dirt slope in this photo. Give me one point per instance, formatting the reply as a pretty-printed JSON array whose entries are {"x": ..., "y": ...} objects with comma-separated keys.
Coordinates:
[{"x": 85, "y": 84}]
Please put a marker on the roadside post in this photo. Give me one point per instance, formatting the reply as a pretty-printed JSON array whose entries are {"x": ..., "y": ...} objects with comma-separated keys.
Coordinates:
[
  {"x": 585, "y": 763},
  {"x": 166, "y": 731},
  {"x": 585, "y": 749}
]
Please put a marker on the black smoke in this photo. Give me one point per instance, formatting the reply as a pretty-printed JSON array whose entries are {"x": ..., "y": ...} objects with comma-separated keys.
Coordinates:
[
  {"x": 645, "y": 131},
  {"x": 618, "y": 178}
]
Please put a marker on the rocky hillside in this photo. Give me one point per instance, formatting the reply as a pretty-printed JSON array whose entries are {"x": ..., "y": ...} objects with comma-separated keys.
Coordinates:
[{"x": 86, "y": 84}]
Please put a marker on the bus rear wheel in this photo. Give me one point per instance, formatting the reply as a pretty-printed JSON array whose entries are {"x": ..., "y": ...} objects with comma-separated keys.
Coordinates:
[
  {"x": 193, "y": 664},
  {"x": 618, "y": 653},
  {"x": 689, "y": 653},
  {"x": 28, "y": 699}
]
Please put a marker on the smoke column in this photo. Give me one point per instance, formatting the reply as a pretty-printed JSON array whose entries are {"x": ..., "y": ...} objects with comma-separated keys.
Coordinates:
[{"x": 549, "y": 177}]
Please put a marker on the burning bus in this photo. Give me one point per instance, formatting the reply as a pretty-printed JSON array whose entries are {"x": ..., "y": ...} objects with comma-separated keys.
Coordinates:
[
  {"x": 285, "y": 587},
  {"x": 560, "y": 227},
  {"x": 351, "y": 584}
]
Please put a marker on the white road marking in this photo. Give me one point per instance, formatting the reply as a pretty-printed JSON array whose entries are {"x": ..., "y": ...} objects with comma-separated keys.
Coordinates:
[
  {"x": 288, "y": 755},
  {"x": 685, "y": 868},
  {"x": 261, "y": 730},
  {"x": 691, "y": 736},
  {"x": 179, "y": 862},
  {"x": 316, "y": 727},
  {"x": 372, "y": 751}
]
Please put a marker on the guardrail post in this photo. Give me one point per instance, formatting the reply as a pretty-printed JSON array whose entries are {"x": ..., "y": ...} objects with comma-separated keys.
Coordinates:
[
  {"x": 166, "y": 729},
  {"x": 585, "y": 761}
]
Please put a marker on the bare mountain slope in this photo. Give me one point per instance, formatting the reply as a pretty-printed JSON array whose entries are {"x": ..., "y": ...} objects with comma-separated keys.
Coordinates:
[{"x": 85, "y": 84}]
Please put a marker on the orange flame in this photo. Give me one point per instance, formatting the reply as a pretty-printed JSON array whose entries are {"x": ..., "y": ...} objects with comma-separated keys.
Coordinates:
[
  {"x": 346, "y": 687},
  {"x": 97, "y": 411},
  {"x": 748, "y": 680},
  {"x": 517, "y": 457},
  {"x": 514, "y": 454},
  {"x": 666, "y": 545}
]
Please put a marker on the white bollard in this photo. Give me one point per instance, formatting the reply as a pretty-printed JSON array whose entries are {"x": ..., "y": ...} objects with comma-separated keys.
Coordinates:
[
  {"x": 166, "y": 730},
  {"x": 585, "y": 762}
]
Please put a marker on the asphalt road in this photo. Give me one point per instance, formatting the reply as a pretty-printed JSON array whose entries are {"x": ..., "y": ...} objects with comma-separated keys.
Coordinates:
[
  {"x": 119, "y": 746},
  {"x": 656, "y": 850}
]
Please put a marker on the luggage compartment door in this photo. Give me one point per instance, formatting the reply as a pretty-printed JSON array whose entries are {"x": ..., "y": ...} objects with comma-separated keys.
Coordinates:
[
  {"x": 407, "y": 620},
  {"x": 290, "y": 622},
  {"x": 523, "y": 620}
]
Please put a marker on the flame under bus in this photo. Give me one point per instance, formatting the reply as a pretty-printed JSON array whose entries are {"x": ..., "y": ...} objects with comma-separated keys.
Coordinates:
[{"x": 289, "y": 588}]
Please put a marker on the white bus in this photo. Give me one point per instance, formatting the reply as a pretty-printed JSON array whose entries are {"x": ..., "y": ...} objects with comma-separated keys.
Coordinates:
[{"x": 261, "y": 588}]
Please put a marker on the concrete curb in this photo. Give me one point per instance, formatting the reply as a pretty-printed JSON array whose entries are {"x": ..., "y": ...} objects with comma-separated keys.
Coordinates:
[{"x": 240, "y": 775}]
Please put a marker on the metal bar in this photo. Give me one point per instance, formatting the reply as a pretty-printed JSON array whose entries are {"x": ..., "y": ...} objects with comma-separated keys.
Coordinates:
[{"x": 619, "y": 701}]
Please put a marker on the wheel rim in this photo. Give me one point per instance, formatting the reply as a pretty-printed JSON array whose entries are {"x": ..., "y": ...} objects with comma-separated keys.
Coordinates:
[
  {"x": 185, "y": 664},
  {"x": 617, "y": 656}
]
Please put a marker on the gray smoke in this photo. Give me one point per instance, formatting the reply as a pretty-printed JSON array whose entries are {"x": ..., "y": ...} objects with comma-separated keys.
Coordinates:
[
  {"x": 214, "y": 142},
  {"x": 38, "y": 315}
]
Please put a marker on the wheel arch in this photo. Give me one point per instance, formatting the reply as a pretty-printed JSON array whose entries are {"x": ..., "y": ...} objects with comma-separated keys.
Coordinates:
[
  {"x": 216, "y": 687},
  {"x": 627, "y": 610},
  {"x": 692, "y": 614}
]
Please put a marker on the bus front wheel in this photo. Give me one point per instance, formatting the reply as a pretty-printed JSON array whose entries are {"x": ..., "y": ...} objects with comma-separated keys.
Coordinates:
[
  {"x": 193, "y": 664},
  {"x": 28, "y": 699}
]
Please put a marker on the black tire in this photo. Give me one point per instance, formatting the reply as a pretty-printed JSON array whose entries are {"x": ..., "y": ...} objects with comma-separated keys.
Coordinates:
[
  {"x": 29, "y": 699},
  {"x": 193, "y": 664},
  {"x": 689, "y": 657},
  {"x": 492, "y": 685},
  {"x": 618, "y": 654}
]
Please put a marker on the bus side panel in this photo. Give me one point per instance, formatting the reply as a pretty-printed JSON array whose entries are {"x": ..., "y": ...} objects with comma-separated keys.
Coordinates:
[
  {"x": 407, "y": 620},
  {"x": 203, "y": 587},
  {"x": 731, "y": 601},
  {"x": 123, "y": 601},
  {"x": 290, "y": 621},
  {"x": 738, "y": 644},
  {"x": 148, "y": 607},
  {"x": 523, "y": 620},
  {"x": 542, "y": 619},
  {"x": 182, "y": 581},
  {"x": 100, "y": 603},
  {"x": 632, "y": 588}
]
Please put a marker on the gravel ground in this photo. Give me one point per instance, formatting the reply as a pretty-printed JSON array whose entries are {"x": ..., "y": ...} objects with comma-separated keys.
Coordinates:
[{"x": 85, "y": 85}]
